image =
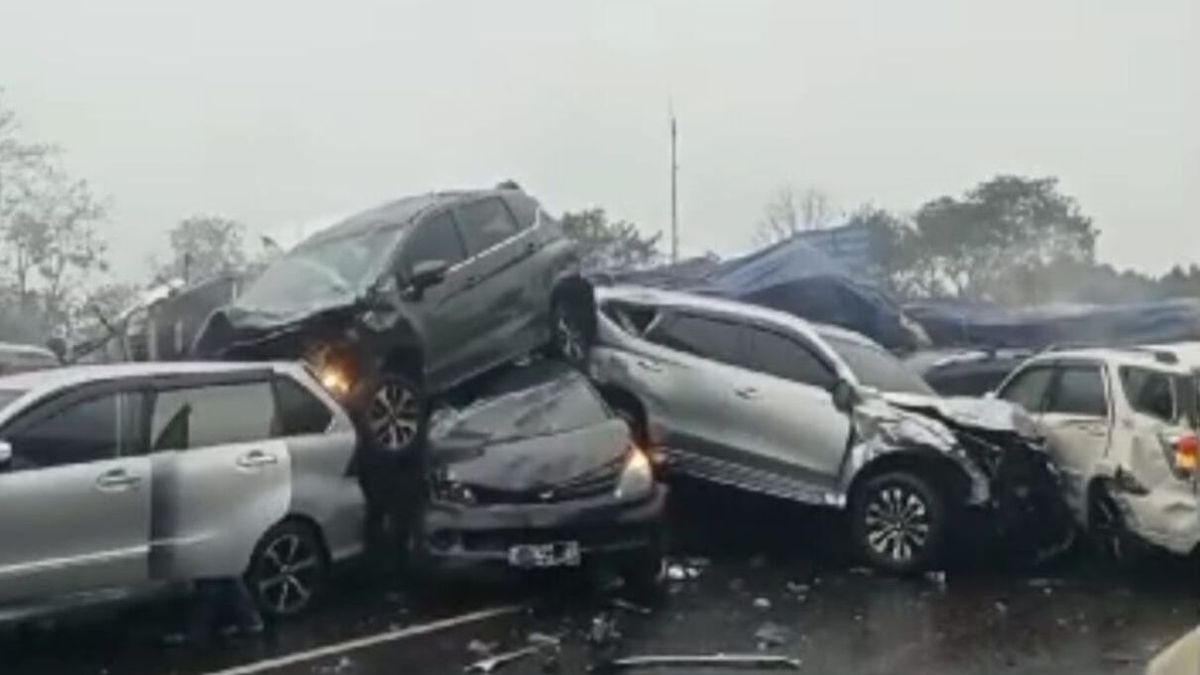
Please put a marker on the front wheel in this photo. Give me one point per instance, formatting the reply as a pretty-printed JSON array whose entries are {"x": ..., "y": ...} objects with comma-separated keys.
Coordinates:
[
  {"x": 288, "y": 570},
  {"x": 571, "y": 332},
  {"x": 899, "y": 522}
]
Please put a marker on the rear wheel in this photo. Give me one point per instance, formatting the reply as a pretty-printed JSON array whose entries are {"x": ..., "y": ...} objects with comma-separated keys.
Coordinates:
[
  {"x": 571, "y": 331},
  {"x": 395, "y": 414},
  {"x": 1108, "y": 532},
  {"x": 899, "y": 522},
  {"x": 288, "y": 570}
]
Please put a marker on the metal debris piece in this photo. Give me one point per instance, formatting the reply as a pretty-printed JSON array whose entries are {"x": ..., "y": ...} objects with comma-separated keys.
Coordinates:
[
  {"x": 621, "y": 603},
  {"x": 749, "y": 661},
  {"x": 771, "y": 634},
  {"x": 492, "y": 663},
  {"x": 797, "y": 588},
  {"x": 762, "y": 603},
  {"x": 482, "y": 649},
  {"x": 676, "y": 572},
  {"x": 544, "y": 640}
]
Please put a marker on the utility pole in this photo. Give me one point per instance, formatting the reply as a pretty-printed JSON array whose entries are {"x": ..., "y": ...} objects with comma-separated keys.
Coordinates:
[{"x": 674, "y": 193}]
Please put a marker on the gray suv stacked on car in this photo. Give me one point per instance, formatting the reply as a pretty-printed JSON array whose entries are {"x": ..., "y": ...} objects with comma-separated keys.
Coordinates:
[
  {"x": 408, "y": 300},
  {"x": 119, "y": 479}
]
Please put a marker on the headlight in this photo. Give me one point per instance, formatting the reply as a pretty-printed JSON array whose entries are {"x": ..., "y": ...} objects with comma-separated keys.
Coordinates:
[
  {"x": 444, "y": 487},
  {"x": 335, "y": 380},
  {"x": 636, "y": 478}
]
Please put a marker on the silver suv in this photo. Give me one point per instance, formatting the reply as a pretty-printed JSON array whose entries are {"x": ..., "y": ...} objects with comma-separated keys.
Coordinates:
[
  {"x": 121, "y": 479},
  {"x": 764, "y": 401}
]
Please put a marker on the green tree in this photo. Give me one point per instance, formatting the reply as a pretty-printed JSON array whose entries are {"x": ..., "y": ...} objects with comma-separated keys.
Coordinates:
[
  {"x": 996, "y": 241},
  {"x": 607, "y": 245},
  {"x": 203, "y": 247}
]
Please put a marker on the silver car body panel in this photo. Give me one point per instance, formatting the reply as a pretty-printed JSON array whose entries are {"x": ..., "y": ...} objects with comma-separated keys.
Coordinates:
[
  {"x": 690, "y": 401},
  {"x": 1090, "y": 449},
  {"x": 174, "y": 516}
]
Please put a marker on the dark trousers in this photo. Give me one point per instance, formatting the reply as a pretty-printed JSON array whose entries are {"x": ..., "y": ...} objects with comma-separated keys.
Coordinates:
[{"x": 220, "y": 603}]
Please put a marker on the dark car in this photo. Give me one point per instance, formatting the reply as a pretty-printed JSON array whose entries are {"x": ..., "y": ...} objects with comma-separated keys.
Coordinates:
[
  {"x": 966, "y": 372},
  {"x": 403, "y": 302},
  {"x": 538, "y": 473}
]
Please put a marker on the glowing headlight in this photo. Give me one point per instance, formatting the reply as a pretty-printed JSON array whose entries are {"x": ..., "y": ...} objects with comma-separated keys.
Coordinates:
[
  {"x": 335, "y": 380},
  {"x": 636, "y": 478}
]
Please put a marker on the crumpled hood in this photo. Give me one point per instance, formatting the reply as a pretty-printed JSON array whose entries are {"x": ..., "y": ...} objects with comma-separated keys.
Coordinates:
[
  {"x": 526, "y": 464},
  {"x": 242, "y": 317},
  {"x": 972, "y": 413}
]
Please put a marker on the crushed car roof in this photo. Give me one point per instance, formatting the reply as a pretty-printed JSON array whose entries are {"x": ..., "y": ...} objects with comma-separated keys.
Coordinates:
[{"x": 395, "y": 213}]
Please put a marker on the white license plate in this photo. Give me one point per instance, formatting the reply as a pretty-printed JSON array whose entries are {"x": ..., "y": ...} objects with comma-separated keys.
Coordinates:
[{"x": 557, "y": 554}]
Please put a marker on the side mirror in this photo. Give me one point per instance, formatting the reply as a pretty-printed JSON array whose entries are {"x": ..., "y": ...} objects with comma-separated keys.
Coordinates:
[
  {"x": 845, "y": 397},
  {"x": 5, "y": 454},
  {"x": 427, "y": 273}
]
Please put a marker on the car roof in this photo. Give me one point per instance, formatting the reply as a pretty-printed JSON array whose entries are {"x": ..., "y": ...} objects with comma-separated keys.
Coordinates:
[
  {"x": 398, "y": 213},
  {"x": 1188, "y": 353},
  {"x": 1140, "y": 356},
  {"x": 684, "y": 300},
  {"x": 66, "y": 376}
]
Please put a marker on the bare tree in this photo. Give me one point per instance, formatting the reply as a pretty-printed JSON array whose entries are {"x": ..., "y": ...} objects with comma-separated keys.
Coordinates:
[{"x": 789, "y": 212}]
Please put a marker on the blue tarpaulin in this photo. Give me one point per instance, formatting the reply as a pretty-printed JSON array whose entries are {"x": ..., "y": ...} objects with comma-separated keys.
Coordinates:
[
  {"x": 974, "y": 324},
  {"x": 793, "y": 277}
]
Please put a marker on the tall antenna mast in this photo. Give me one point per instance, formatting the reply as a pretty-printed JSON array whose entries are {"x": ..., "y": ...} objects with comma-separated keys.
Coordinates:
[{"x": 674, "y": 191}]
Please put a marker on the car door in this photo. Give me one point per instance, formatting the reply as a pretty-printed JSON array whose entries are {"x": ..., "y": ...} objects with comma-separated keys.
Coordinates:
[
  {"x": 444, "y": 312},
  {"x": 504, "y": 296},
  {"x": 690, "y": 364},
  {"x": 75, "y": 499},
  {"x": 785, "y": 411},
  {"x": 221, "y": 479},
  {"x": 1077, "y": 420}
]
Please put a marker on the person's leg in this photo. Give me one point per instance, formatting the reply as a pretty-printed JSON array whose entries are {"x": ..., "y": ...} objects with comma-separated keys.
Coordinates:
[{"x": 239, "y": 604}]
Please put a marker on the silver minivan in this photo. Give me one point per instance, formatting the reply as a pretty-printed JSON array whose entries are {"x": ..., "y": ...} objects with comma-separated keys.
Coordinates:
[{"x": 125, "y": 478}]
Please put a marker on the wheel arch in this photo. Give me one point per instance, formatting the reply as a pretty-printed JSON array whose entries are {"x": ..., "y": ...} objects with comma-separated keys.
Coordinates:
[{"x": 945, "y": 474}]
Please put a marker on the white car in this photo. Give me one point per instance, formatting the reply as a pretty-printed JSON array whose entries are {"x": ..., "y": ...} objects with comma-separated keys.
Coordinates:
[
  {"x": 1121, "y": 423},
  {"x": 117, "y": 480}
]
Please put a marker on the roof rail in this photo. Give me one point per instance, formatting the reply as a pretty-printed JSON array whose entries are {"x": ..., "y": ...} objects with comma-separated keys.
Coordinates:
[{"x": 1160, "y": 355}]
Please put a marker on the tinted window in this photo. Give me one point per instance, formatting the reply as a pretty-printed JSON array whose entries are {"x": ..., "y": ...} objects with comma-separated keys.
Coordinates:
[
  {"x": 1079, "y": 391},
  {"x": 1028, "y": 389},
  {"x": 213, "y": 415},
  {"x": 485, "y": 223},
  {"x": 874, "y": 367},
  {"x": 783, "y": 357},
  {"x": 434, "y": 239},
  {"x": 87, "y": 431},
  {"x": 702, "y": 337},
  {"x": 1150, "y": 392},
  {"x": 300, "y": 412}
]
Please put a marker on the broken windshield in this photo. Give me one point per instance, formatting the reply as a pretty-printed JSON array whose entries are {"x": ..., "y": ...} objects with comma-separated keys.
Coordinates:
[{"x": 323, "y": 271}]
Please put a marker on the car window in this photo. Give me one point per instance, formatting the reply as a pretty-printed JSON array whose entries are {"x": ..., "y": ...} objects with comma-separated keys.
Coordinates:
[
  {"x": 299, "y": 411},
  {"x": 1079, "y": 391},
  {"x": 88, "y": 431},
  {"x": 434, "y": 239},
  {"x": 195, "y": 417},
  {"x": 1150, "y": 392},
  {"x": 1028, "y": 389},
  {"x": 485, "y": 223},
  {"x": 783, "y": 357},
  {"x": 700, "y": 336},
  {"x": 634, "y": 319},
  {"x": 876, "y": 368}
]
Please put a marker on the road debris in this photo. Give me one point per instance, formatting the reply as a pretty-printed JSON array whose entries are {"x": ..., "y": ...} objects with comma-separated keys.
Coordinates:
[
  {"x": 621, "y": 603},
  {"x": 770, "y": 635},
  {"x": 492, "y": 663},
  {"x": 748, "y": 661},
  {"x": 481, "y": 649},
  {"x": 683, "y": 571},
  {"x": 762, "y": 603}
]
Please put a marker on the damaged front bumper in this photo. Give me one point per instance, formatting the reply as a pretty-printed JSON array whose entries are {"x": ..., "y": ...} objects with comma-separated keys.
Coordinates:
[{"x": 458, "y": 536}]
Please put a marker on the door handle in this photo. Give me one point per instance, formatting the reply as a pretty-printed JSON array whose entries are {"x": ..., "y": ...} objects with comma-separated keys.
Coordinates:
[
  {"x": 117, "y": 480},
  {"x": 649, "y": 365},
  {"x": 256, "y": 458},
  {"x": 746, "y": 392}
]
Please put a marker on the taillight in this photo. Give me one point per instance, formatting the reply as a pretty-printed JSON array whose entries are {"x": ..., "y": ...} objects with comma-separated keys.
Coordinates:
[{"x": 1187, "y": 454}]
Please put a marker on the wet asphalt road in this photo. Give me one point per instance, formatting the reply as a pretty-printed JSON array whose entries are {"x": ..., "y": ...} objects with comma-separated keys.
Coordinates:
[{"x": 768, "y": 580}]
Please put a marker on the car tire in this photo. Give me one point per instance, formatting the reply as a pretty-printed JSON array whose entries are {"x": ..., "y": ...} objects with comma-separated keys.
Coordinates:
[
  {"x": 394, "y": 414},
  {"x": 288, "y": 570},
  {"x": 899, "y": 522},
  {"x": 1108, "y": 533},
  {"x": 571, "y": 332}
]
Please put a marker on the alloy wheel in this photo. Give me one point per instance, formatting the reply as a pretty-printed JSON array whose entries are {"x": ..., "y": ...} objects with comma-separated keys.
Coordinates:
[
  {"x": 569, "y": 337},
  {"x": 394, "y": 416},
  {"x": 290, "y": 570},
  {"x": 897, "y": 523}
]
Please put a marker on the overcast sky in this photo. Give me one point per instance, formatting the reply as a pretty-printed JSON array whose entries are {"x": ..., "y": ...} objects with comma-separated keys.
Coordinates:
[{"x": 281, "y": 114}]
